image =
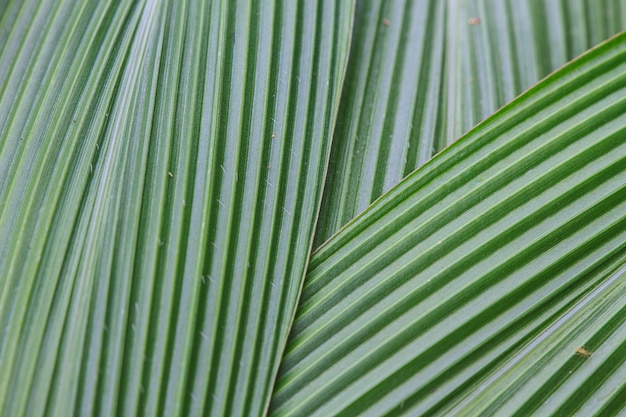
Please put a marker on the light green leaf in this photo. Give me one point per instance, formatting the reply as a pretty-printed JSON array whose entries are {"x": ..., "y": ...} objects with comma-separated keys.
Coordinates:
[
  {"x": 422, "y": 73},
  {"x": 161, "y": 166},
  {"x": 467, "y": 289}
]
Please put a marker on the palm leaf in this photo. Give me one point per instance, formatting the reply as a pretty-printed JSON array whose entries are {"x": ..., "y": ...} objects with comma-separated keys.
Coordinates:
[
  {"x": 162, "y": 166},
  {"x": 467, "y": 289},
  {"x": 422, "y": 73}
]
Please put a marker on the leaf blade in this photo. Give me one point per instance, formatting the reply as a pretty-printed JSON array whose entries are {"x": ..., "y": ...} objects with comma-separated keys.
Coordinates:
[
  {"x": 446, "y": 66},
  {"x": 160, "y": 236},
  {"x": 527, "y": 206}
]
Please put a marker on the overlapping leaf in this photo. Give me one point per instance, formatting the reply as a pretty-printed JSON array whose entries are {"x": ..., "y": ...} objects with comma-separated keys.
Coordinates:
[
  {"x": 160, "y": 170},
  {"x": 467, "y": 289},
  {"x": 423, "y": 72}
]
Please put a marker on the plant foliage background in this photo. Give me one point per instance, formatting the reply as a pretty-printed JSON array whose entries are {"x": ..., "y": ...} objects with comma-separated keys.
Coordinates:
[{"x": 230, "y": 208}]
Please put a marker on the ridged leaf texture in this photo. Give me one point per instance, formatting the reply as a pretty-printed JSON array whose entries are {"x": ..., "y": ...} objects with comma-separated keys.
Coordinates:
[
  {"x": 161, "y": 166},
  {"x": 472, "y": 287},
  {"x": 422, "y": 73}
]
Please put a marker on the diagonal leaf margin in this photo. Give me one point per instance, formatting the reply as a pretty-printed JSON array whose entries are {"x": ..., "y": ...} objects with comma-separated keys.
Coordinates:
[
  {"x": 422, "y": 73},
  {"x": 485, "y": 258}
]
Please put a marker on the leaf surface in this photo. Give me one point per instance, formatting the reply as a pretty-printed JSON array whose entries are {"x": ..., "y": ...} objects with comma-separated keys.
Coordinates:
[
  {"x": 161, "y": 166},
  {"x": 467, "y": 289},
  {"x": 422, "y": 73}
]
